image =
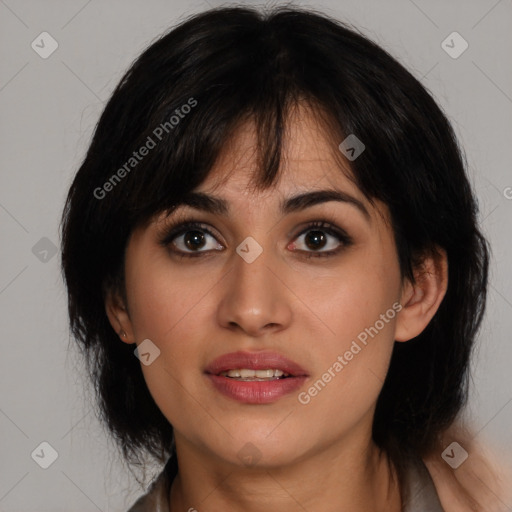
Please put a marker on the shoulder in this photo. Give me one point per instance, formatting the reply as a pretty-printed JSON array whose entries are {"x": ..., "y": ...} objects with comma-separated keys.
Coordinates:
[{"x": 478, "y": 481}]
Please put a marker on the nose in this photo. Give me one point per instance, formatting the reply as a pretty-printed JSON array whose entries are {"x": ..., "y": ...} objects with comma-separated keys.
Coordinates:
[{"x": 255, "y": 298}]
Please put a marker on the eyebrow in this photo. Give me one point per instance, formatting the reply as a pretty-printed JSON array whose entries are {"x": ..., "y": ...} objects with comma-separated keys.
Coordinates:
[{"x": 216, "y": 205}]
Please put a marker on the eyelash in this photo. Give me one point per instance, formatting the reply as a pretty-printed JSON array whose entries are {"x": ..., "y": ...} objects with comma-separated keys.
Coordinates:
[{"x": 179, "y": 228}]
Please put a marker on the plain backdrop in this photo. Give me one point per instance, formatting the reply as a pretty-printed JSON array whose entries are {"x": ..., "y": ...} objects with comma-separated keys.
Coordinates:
[{"x": 49, "y": 107}]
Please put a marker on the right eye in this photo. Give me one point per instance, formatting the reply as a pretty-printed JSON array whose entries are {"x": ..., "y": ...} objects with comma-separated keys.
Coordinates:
[{"x": 186, "y": 239}]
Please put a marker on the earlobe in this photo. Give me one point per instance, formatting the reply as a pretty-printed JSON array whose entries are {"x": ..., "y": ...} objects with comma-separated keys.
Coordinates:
[
  {"x": 118, "y": 317},
  {"x": 421, "y": 299}
]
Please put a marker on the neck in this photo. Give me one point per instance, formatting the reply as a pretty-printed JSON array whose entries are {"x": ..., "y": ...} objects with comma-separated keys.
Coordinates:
[{"x": 348, "y": 475}]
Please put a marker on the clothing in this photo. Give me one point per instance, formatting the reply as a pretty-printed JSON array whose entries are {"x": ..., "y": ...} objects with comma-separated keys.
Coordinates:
[{"x": 422, "y": 495}]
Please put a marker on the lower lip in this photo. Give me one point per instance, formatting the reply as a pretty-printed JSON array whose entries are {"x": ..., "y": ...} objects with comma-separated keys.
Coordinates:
[{"x": 256, "y": 392}]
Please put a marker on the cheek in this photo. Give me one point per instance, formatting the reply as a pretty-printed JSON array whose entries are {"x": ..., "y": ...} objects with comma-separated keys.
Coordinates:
[
  {"x": 164, "y": 301},
  {"x": 351, "y": 368},
  {"x": 165, "y": 308},
  {"x": 352, "y": 297},
  {"x": 169, "y": 307},
  {"x": 357, "y": 307}
]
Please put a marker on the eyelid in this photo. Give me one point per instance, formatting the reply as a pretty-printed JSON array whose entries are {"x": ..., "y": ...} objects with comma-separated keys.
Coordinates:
[{"x": 167, "y": 233}]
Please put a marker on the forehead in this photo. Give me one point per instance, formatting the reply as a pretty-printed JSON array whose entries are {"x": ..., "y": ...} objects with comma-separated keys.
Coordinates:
[{"x": 310, "y": 158}]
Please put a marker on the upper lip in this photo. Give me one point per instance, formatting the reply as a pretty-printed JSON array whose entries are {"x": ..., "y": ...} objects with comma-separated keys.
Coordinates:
[{"x": 254, "y": 361}]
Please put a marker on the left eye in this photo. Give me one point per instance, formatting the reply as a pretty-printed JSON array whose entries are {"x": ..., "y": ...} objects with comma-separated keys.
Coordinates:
[{"x": 317, "y": 239}]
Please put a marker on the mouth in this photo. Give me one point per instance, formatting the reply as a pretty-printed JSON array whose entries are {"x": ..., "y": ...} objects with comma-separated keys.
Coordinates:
[{"x": 255, "y": 377}]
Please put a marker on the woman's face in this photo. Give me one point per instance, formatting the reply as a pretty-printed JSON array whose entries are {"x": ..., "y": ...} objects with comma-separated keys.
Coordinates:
[{"x": 259, "y": 281}]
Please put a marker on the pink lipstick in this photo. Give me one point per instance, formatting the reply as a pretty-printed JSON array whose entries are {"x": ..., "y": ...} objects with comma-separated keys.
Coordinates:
[{"x": 255, "y": 377}]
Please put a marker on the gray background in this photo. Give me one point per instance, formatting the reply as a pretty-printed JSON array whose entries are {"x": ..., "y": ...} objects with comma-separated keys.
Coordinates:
[{"x": 48, "y": 110}]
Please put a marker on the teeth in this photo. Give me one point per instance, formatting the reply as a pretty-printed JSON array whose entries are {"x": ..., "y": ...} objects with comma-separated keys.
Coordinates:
[
  {"x": 261, "y": 374},
  {"x": 245, "y": 373}
]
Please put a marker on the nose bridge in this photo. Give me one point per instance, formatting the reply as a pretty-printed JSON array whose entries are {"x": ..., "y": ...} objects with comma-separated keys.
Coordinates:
[
  {"x": 253, "y": 297},
  {"x": 252, "y": 277}
]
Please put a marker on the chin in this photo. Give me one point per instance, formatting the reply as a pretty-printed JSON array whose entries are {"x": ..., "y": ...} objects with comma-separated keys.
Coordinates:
[{"x": 257, "y": 448}]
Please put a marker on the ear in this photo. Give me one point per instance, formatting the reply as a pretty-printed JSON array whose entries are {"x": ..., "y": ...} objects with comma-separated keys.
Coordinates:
[
  {"x": 421, "y": 300},
  {"x": 118, "y": 316}
]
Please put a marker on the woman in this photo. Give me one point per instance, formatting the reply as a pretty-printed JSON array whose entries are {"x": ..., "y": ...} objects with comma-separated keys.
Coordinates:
[{"x": 276, "y": 274}]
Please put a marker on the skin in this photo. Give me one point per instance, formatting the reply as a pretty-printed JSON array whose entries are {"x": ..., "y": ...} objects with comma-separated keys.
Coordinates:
[{"x": 318, "y": 456}]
